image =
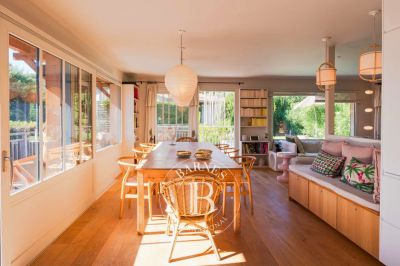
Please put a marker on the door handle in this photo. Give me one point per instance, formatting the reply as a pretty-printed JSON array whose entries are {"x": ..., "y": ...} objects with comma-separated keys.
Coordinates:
[{"x": 4, "y": 157}]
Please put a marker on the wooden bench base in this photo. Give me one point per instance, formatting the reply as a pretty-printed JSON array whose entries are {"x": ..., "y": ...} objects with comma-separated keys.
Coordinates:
[{"x": 358, "y": 223}]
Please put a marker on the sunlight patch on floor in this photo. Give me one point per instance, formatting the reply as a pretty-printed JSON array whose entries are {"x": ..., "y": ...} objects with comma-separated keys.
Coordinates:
[{"x": 189, "y": 250}]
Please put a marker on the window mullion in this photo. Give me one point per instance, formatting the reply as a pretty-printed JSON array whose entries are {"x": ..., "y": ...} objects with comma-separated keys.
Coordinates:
[
  {"x": 40, "y": 145},
  {"x": 63, "y": 117},
  {"x": 80, "y": 116}
]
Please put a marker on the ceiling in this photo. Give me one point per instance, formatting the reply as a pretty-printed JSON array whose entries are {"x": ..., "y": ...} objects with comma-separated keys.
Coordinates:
[{"x": 224, "y": 38}]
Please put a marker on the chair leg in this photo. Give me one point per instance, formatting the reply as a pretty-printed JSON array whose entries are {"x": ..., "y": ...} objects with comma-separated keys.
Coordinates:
[
  {"x": 176, "y": 232},
  {"x": 214, "y": 247},
  {"x": 150, "y": 196},
  {"x": 121, "y": 205},
  {"x": 250, "y": 192},
  {"x": 121, "y": 208},
  {"x": 168, "y": 230},
  {"x": 223, "y": 198},
  {"x": 244, "y": 198}
]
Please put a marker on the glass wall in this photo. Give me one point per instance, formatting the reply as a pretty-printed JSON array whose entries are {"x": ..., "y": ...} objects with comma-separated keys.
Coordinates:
[
  {"x": 72, "y": 117},
  {"x": 52, "y": 128},
  {"x": 51, "y": 124},
  {"x": 305, "y": 116},
  {"x": 108, "y": 113},
  {"x": 24, "y": 112}
]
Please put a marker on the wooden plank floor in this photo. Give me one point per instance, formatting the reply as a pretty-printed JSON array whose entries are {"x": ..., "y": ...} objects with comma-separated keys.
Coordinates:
[{"x": 281, "y": 232}]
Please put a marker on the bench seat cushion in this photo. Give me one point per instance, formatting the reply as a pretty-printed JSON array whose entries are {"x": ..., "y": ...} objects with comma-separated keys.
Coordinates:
[{"x": 334, "y": 184}]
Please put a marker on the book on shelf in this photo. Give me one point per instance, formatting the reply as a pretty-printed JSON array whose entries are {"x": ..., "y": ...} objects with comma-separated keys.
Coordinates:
[
  {"x": 136, "y": 92},
  {"x": 255, "y": 148}
]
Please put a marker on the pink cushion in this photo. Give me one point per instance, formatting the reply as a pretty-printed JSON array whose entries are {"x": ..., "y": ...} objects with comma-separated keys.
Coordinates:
[
  {"x": 363, "y": 154},
  {"x": 377, "y": 186},
  {"x": 333, "y": 147}
]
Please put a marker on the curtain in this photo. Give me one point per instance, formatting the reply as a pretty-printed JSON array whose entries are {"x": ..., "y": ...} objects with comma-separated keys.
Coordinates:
[
  {"x": 151, "y": 109},
  {"x": 193, "y": 114}
]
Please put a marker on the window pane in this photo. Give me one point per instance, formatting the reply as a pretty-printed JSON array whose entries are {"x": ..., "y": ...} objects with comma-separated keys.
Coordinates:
[
  {"x": 72, "y": 149},
  {"x": 86, "y": 115},
  {"x": 172, "y": 121},
  {"x": 52, "y": 115},
  {"x": 108, "y": 114},
  {"x": 103, "y": 98},
  {"x": 299, "y": 115},
  {"x": 24, "y": 115},
  {"x": 115, "y": 117},
  {"x": 217, "y": 117}
]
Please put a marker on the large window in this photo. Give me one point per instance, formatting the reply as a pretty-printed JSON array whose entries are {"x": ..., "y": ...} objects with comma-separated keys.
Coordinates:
[
  {"x": 305, "y": 116},
  {"x": 52, "y": 115},
  {"x": 50, "y": 123},
  {"x": 172, "y": 121},
  {"x": 217, "y": 117},
  {"x": 24, "y": 112},
  {"x": 72, "y": 116},
  {"x": 108, "y": 113}
]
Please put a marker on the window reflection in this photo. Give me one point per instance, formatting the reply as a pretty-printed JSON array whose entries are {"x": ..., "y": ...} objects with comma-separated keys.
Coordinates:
[
  {"x": 72, "y": 149},
  {"x": 52, "y": 115},
  {"x": 86, "y": 115},
  {"x": 23, "y": 109}
]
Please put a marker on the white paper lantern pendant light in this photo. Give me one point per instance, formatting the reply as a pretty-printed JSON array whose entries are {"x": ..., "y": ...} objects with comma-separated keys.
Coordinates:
[
  {"x": 181, "y": 81},
  {"x": 326, "y": 72},
  {"x": 370, "y": 68}
]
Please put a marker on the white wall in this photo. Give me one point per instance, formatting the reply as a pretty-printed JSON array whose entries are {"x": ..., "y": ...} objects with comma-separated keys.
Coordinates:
[
  {"x": 38, "y": 215},
  {"x": 390, "y": 189}
]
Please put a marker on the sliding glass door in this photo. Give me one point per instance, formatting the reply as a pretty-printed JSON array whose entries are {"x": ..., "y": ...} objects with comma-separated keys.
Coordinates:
[{"x": 217, "y": 117}]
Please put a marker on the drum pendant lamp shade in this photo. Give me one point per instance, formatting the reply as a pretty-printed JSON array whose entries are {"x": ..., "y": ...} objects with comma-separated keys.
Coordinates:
[
  {"x": 326, "y": 72},
  {"x": 370, "y": 68}
]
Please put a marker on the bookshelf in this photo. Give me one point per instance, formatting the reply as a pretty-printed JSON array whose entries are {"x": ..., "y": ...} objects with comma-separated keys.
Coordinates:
[
  {"x": 136, "y": 114},
  {"x": 254, "y": 122}
]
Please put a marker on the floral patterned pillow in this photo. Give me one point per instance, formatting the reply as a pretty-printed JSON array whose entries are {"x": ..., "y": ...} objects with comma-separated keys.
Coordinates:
[{"x": 359, "y": 175}]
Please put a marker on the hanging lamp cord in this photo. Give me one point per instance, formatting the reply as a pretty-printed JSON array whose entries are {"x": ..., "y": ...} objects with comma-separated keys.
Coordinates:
[{"x": 181, "y": 36}]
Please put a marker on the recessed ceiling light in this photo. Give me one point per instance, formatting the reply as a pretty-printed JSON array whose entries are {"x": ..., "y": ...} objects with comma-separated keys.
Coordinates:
[
  {"x": 368, "y": 110},
  {"x": 369, "y": 92},
  {"x": 368, "y": 128}
]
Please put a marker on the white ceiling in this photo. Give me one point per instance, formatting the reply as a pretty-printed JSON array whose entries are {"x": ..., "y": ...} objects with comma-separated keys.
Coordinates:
[{"x": 225, "y": 38}]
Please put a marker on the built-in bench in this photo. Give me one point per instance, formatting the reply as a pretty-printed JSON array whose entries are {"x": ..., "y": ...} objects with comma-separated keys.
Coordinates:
[{"x": 350, "y": 211}]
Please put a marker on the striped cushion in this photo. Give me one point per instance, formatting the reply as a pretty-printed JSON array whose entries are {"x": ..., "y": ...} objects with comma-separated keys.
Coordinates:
[{"x": 328, "y": 164}]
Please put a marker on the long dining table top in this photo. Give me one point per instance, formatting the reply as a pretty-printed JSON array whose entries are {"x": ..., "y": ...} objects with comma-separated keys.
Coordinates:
[{"x": 164, "y": 157}]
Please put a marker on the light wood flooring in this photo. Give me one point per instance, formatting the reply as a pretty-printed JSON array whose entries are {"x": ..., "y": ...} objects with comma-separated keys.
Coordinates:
[{"x": 280, "y": 232}]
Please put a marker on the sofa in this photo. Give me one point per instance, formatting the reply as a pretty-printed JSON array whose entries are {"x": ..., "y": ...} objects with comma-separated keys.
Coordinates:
[
  {"x": 349, "y": 210},
  {"x": 311, "y": 149}
]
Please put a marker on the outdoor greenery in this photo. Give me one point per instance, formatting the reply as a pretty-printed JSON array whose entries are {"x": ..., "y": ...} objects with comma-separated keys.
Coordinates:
[
  {"x": 309, "y": 120},
  {"x": 222, "y": 127},
  {"x": 23, "y": 94},
  {"x": 168, "y": 116}
]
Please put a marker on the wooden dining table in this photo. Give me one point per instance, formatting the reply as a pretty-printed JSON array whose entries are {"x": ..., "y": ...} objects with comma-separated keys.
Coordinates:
[{"x": 163, "y": 161}]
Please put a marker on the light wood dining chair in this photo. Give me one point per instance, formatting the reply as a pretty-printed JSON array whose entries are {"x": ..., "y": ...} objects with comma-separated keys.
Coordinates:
[
  {"x": 221, "y": 146},
  {"x": 129, "y": 183},
  {"x": 185, "y": 139},
  {"x": 231, "y": 152},
  {"x": 141, "y": 152},
  {"x": 148, "y": 146},
  {"x": 247, "y": 163},
  {"x": 180, "y": 195}
]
